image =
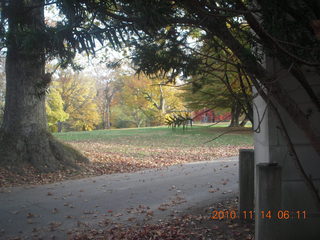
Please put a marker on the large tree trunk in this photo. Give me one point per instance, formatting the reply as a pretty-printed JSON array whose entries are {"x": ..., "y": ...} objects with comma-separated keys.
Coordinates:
[{"x": 24, "y": 138}]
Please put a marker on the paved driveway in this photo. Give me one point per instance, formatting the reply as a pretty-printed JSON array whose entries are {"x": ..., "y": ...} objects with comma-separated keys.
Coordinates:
[{"x": 150, "y": 195}]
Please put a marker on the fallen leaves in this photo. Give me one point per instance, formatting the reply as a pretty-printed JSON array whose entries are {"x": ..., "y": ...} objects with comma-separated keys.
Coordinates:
[
  {"x": 119, "y": 158},
  {"x": 149, "y": 213},
  {"x": 30, "y": 215},
  {"x": 162, "y": 208},
  {"x": 54, "y": 225},
  {"x": 189, "y": 226},
  {"x": 55, "y": 210},
  {"x": 213, "y": 190}
]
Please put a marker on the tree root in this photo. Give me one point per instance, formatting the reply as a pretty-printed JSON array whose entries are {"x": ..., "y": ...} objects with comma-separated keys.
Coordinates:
[{"x": 40, "y": 150}]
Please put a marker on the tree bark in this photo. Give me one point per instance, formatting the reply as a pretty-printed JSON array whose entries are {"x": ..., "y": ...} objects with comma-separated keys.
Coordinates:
[
  {"x": 162, "y": 101},
  {"x": 104, "y": 124},
  {"x": 109, "y": 92},
  {"x": 108, "y": 113},
  {"x": 24, "y": 138},
  {"x": 235, "y": 114},
  {"x": 60, "y": 126},
  {"x": 244, "y": 122}
]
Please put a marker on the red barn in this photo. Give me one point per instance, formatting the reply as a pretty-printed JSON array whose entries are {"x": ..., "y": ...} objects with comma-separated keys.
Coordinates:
[{"x": 208, "y": 116}]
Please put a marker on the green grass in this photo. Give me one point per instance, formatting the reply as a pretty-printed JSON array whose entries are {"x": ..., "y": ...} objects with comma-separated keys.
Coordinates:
[{"x": 164, "y": 136}]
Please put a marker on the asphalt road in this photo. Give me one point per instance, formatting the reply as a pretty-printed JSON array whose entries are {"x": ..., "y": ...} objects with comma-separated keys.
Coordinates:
[{"x": 55, "y": 210}]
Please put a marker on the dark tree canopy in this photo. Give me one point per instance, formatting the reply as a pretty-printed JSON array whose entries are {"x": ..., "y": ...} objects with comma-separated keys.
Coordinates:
[{"x": 76, "y": 29}]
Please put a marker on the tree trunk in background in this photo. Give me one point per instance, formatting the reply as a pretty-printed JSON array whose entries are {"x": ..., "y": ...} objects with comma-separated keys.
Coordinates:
[
  {"x": 244, "y": 122},
  {"x": 162, "y": 101},
  {"x": 235, "y": 115},
  {"x": 24, "y": 138},
  {"x": 108, "y": 113},
  {"x": 110, "y": 91},
  {"x": 104, "y": 119},
  {"x": 60, "y": 125}
]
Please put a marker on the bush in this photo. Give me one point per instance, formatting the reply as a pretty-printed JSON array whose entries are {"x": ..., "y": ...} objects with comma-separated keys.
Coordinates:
[
  {"x": 124, "y": 124},
  {"x": 53, "y": 128}
]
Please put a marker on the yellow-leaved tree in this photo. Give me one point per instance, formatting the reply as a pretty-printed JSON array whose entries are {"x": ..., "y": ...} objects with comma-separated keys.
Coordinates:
[
  {"x": 165, "y": 99},
  {"x": 78, "y": 94},
  {"x": 145, "y": 101},
  {"x": 55, "y": 110}
]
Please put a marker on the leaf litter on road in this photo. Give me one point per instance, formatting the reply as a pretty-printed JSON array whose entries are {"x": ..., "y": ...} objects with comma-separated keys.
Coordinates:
[{"x": 196, "y": 225}]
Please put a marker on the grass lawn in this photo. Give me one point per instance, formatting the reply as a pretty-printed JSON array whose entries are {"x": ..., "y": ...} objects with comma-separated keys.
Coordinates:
[
  {"x": 197, "y": 136},
  {"x": 129, "y": 150}
]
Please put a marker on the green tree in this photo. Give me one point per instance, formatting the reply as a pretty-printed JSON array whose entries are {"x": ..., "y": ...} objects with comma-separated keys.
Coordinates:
[
  {"x": 223, "y": 91},
  {"x": 209, "y": 94},
  {"x": 122, "y": 117}
]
